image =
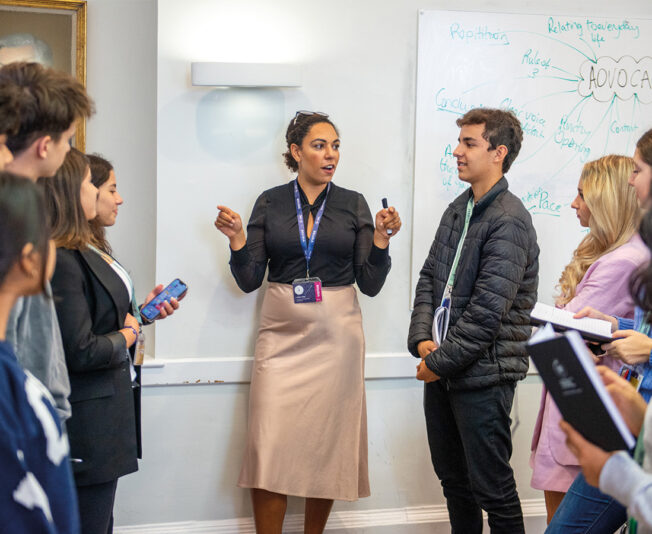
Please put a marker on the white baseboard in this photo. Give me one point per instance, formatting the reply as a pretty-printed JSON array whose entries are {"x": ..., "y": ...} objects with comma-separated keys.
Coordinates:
[{"x": 413, "y": 515}]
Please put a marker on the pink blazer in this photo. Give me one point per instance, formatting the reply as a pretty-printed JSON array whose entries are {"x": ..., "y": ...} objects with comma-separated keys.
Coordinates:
[{"x": 605, "y": 287}]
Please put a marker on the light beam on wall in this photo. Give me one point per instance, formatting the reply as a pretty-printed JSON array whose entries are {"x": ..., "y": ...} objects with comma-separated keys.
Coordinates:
[{"x": 216, "y": 74}]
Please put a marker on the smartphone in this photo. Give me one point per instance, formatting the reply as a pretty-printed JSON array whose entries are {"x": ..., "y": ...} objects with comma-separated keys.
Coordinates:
[{"x": 175, "y": 289}]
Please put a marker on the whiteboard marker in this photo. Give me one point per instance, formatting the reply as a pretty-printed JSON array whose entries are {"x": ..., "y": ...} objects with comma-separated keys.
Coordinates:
[{"x": 389, "y": 232}]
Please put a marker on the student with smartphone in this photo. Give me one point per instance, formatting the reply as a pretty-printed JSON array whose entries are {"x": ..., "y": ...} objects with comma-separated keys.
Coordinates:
[
  {"x": 307, "y": 433},
  {"x": 93, "y": 300},
  {"x": 163, "y": 300}
]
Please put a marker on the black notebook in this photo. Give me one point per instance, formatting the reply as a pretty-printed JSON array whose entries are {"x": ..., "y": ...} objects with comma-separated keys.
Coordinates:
[{"x": 568, "y": 372}]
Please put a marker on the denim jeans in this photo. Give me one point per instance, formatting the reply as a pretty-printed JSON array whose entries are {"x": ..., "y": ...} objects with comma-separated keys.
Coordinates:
[
  {"x": 470, "y": 446},
  {"x": 586, "y": 510}
]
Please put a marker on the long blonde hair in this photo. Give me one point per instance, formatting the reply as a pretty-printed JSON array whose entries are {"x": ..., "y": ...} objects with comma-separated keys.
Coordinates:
[{"x": 615, "y": 217}]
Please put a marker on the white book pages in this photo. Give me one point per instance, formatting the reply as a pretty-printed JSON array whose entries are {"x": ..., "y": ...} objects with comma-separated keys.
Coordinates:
[{"x": 545, "y": 313}]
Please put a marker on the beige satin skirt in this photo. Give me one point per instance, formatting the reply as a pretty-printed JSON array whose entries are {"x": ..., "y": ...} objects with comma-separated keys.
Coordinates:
[{"x": 307, "y": 429}]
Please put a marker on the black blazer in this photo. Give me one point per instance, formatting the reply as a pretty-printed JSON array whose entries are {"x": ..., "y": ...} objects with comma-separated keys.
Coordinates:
[{"x": 92, "y": 302}]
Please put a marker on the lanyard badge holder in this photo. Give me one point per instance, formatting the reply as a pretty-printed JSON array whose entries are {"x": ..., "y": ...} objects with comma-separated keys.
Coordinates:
[
  {"x": 443, "y": 312},
  {"x": 307, "y": 289}
]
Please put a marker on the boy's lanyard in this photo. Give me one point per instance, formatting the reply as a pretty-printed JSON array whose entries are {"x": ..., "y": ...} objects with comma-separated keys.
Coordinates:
[
  {"x": 308, "y": 246},
  {"x": 451, "y": 277},
  {"x": 135, "y": 311}
]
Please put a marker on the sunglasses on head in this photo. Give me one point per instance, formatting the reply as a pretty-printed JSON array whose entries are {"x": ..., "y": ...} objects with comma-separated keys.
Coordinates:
[{"x": 307, "y": 113}]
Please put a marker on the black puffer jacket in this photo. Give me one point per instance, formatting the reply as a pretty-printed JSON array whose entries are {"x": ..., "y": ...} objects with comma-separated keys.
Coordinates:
[{"x": 494, "y": 291}]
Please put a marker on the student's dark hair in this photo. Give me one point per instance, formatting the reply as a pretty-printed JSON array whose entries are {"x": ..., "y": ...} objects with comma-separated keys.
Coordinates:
[
  {"x": 22, "y": 221},
  {"x": 297, "y": 131},
  {"x": 100, "y": 173},
  {"x": 640, "y": 283},
  {"x": 49, "y": 102},
  {"x": 66, "y": 217},
  {"x": 501, "y": 127},
  {"x": 644, "y": 146},
  {"x": 9, "y": 108}
]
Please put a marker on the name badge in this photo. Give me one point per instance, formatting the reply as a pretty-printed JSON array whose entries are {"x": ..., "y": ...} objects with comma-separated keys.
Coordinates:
[
  {"x": 306, "y": 290},
  {"x": 631, "y": 376}
]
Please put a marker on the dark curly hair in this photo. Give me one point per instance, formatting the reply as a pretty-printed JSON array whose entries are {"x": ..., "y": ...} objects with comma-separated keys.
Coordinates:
[
  {"x": 297, "y": 131},
  {"x": 9, "y": 108},
  {"x": 501, "y": 127}
]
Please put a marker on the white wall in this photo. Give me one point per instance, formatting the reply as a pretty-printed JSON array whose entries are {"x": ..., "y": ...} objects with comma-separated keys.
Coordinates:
[
  {"x": 121, "y": 78},
  {"x": 360, "y": 66}
]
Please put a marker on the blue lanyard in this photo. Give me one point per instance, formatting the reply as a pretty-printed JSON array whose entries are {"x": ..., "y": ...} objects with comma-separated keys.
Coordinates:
[{"x": 308, "y": 247}]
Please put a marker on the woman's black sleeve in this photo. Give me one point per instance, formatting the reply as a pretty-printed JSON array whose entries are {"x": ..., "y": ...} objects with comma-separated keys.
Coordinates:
[
  {"x": 249, "y": 264},
  {"x": 371, "y": 264}
]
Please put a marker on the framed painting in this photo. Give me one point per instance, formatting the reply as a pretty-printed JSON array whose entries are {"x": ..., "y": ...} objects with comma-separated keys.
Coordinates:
[{"x": 52, "y": 32}]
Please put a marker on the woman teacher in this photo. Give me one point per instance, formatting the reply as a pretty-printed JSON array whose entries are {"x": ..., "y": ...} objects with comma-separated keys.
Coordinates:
[{"x": 307, "y": 432}]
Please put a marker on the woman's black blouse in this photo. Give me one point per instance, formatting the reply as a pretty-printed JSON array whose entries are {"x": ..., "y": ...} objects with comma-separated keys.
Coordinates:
[{"x": 344, "y": 252}]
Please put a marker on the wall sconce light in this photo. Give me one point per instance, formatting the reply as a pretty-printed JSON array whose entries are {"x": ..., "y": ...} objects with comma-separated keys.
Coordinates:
[{"x": 245, "y": 74}]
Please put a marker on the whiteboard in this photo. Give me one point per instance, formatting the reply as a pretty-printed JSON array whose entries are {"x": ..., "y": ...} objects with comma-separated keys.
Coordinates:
[{"x": 581, "y": 87}]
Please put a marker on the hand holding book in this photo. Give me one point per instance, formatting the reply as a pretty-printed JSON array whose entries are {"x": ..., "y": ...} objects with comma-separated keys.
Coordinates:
[
  {"x": 629, "y": 402},
  {"x": 590, "y": 457},
  {"x": 631, "y": 406},
  {"x": 567, "y": 369},
  {"x": 587, "y": 311},
  {"x": 629, "y": 346}
]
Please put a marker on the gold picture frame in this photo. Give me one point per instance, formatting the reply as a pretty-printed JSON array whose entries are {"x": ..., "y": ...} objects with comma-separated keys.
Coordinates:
[{"x": 55, "y": 32}]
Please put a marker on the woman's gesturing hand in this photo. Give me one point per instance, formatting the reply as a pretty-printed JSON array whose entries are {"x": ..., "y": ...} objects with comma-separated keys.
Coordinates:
[
  {"x": 230, "y": 224},
  {"x": 386, "y": 219}
]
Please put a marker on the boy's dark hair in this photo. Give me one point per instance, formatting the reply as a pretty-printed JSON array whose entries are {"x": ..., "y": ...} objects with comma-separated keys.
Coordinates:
[
  {"x": 501, "y": 127},
  {"x": 22, "y": 221},
  {"x": 297, "y": 131},
  {"x": 49, "y": 101},
  {"x": 9, "y": 111}
]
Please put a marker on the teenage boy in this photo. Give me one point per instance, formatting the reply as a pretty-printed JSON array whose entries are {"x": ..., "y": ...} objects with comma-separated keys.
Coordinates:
[
  {"x": 483, "y": 267},
  {"x": 50, "y": 104}
]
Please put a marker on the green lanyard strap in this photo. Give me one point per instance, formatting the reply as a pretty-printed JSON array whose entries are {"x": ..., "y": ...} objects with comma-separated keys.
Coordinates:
[{"x": 451, "y": 276}]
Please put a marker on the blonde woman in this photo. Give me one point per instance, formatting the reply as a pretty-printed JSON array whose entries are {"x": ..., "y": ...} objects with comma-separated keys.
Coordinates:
[{"x": 597, "y": 276}]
